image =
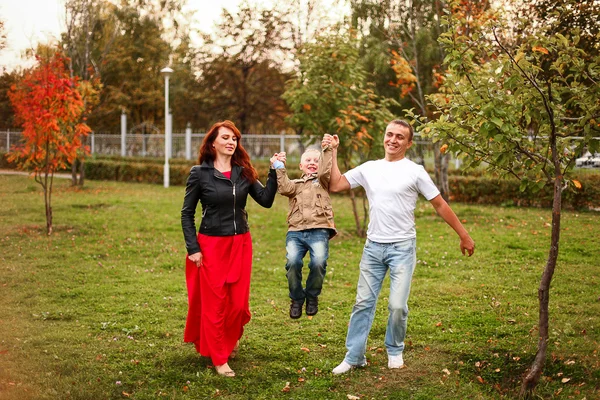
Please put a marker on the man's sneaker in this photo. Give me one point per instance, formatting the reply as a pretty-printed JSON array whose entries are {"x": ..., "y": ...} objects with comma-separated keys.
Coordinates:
[
  {"x": 395, "y": 361},
  {"x": 345, "y": 367},
  {"x": 296, "y": 309},
  {"x": 312, "y": 305}
]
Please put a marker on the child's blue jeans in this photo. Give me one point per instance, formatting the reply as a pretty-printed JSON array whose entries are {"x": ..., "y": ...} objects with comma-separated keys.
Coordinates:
[{"x": 297, "y": 244}]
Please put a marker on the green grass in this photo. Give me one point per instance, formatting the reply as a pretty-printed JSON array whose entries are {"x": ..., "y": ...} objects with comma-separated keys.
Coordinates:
[{"x": 97, "y": 310}]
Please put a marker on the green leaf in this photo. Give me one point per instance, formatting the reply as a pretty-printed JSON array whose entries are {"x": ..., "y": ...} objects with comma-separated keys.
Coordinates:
[{"x": 497, "y": 121}]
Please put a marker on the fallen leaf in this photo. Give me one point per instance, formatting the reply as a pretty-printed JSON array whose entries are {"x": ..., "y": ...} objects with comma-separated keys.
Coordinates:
[
  {"x": 306, "y": 349},
  {"x": 565, "y": 380},
  {"x": 286, "y": 387},
  {"x": 446, "y": 371},
  {"x": 300, "y": 379},
  {"x": 350, "y": 397},
  {"x": 126, "y": 394},
  {"x": 439, "y": 323},
  {"x": 480, "y": 379}
]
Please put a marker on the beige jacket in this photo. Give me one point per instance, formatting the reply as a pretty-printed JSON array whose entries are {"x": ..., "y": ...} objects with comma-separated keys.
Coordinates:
[{"x": 309, "y": 201}]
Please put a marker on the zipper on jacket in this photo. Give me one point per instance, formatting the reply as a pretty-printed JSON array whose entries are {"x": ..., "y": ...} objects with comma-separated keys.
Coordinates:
[
  {"x": 233, "y": 184},
  {"x": 234, "y": 224}
]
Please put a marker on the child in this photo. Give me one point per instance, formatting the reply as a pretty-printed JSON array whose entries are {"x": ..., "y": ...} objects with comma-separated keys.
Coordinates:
[{"x": 310, "y": 225}]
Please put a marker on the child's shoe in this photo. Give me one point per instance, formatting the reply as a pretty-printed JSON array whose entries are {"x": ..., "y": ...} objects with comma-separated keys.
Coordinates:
[
  {"x": 296, "y": 309},
  {"x": 312, "y": 305}
]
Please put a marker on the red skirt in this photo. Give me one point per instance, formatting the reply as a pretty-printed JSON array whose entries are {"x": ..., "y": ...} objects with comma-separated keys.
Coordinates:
[{"x": 218, "y": 295}]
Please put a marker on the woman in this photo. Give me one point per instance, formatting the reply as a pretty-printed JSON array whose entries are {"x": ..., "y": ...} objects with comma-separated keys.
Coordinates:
[{"x": 219, "y": 258}]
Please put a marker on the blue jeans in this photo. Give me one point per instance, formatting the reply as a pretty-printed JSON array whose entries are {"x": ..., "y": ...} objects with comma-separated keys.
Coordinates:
[
  {"x": 377, "y": 258},
  {"x": 297, "y": 244}
]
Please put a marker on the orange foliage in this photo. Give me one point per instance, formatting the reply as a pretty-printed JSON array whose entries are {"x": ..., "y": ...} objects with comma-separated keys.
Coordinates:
[
  {"x": 405, "y": 79},
  {"x": 473, "y": 14},
  {"x": 49, "y": 106},
  {"x": 540, "y": 49}
]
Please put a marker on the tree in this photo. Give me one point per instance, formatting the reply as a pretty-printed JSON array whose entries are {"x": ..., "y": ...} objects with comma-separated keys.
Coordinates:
[
  {"x": 565, "y": 15},
  {"x": 48, "y": 104},
  {"x": 520, "y": 111},
  {"x": 241, "y": 71},
  {"x": 2, "y": 35},
  {"x": 87, "y": 38},
  {"x": 7, "y": 80},
  {"x": 330, "y": 95},
  {"x": 131, "y": 77},
  {"x": 403, "y": 56}
]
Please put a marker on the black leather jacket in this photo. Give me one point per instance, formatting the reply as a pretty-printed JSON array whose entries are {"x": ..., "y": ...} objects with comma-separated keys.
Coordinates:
[{"x": 223, "y": 202}]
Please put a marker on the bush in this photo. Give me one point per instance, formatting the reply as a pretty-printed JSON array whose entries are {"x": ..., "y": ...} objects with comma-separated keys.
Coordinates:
[
  {"x": 477, "y": 189},
  {"x": 486, "y": 190}
]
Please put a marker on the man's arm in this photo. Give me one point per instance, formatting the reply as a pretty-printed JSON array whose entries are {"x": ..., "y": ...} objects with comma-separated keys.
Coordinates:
[
  {"x": 338, "y": 182},
  {"x": 443, "y": 209}
]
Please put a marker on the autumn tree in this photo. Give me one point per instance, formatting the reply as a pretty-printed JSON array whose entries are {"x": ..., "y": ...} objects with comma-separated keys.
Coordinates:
[
  {"x": 331, "y": 95},
  {"x": 90, "y": 28},
  {"x": 403, "y": 56},
  {"x": 525, "y": 112},
  {"x": 7, "y": 80},
  {"x": 241, "y": 68},
  {"x": 2, "y": 35},
  {"x": 48, "y": 104}
]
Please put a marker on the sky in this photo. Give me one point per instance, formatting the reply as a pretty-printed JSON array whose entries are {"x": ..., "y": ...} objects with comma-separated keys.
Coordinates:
[{"x": 28, "y": 22}]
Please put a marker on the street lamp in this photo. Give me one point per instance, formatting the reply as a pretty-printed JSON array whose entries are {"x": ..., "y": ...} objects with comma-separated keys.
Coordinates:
[{"x": 166, "y": 72}]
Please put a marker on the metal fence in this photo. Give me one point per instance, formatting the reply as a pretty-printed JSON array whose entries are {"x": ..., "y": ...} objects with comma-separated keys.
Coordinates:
[
  {"x": 153, "y": 145},
  {"x": 186, "y": 145}
]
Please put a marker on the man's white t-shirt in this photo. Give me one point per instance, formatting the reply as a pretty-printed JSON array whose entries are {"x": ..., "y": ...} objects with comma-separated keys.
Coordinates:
[{"x": 392, "y": 189}]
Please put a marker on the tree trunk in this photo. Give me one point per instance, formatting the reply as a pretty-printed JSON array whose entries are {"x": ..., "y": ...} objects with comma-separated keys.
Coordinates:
[
  {"x": 74, "y": 180},
  {"x": 359, "y": 228},
  {"x": 81, "y": 172},
  {"x": 441, "y": 172},
  {"x": 534, "y": 373},
  {"x": 47, "y": 186}
]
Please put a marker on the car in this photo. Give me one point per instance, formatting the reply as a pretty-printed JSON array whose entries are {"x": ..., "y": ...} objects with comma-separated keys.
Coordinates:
[
  {"x": 584, "y": 161},
  {"x": 595, "y": 161}
]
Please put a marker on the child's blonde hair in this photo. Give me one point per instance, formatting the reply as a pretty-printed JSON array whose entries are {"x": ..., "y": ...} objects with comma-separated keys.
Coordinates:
[{"x": 310, "y": 150}]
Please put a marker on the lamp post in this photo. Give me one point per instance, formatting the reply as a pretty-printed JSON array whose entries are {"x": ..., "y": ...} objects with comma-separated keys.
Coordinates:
[{"x": 166, "y": 72}]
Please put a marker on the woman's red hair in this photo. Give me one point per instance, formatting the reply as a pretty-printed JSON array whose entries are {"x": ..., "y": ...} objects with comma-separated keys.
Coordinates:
[{"x": 240, "y": 156}]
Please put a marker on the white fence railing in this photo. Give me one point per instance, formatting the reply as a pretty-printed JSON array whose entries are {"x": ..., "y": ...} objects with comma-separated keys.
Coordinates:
[
  {"x": 186, "y": 145},
  {"x": 153, "y": 145},
  {"x": 183, "y": 145}
]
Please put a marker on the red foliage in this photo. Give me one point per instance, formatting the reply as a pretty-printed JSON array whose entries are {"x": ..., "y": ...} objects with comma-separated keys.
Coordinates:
[{"x": 49, "y": 106}]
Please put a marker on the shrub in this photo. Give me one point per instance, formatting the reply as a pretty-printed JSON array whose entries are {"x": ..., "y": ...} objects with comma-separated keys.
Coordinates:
[{"x": 477, "y": 189}]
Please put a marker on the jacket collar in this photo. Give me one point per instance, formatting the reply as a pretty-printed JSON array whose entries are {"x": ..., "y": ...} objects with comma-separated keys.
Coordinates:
[
  {"x": 236, "y": 170},
  {"x": 308, "y": 177}
]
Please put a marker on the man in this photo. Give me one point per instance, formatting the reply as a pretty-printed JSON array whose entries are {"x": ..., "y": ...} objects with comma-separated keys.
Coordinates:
[{"x": 392, "y": 186}]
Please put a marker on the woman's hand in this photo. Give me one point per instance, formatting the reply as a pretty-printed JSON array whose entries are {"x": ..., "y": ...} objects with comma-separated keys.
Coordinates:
[
  {"x": 274, "y": 158},
  {"x": 278, "y": 157},
  {"x": 196, "y": 258}
]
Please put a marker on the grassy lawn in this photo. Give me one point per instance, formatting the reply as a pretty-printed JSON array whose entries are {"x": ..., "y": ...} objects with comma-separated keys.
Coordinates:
[{"x": 97, "y": 311}]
